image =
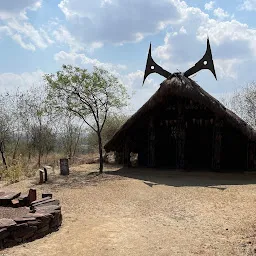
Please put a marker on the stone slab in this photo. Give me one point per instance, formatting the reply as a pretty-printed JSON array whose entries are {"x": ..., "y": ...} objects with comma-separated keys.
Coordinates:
[
  {"x": 9, "y": 195},
  {"x": 5, "y": 223}
]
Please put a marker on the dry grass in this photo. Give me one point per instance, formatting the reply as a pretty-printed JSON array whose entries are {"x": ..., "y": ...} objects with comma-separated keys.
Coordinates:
[{"x": 148, "y": 212}]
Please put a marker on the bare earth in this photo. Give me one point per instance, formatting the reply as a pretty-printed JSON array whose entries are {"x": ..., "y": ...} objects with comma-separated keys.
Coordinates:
[{"x": 148, "y": 212}]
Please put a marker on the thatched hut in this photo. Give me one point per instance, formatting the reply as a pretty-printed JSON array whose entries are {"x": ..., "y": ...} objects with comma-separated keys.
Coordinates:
[{"x": 182, "y": 126}]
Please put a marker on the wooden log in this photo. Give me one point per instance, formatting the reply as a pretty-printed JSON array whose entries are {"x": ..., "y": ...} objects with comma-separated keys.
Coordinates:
[
  {"x": 151, "y": 144},
  {"x": 216, "y": 144}
]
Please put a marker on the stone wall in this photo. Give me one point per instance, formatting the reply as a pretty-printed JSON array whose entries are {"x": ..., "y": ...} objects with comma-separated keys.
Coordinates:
[{"x": 44, "y": 217}]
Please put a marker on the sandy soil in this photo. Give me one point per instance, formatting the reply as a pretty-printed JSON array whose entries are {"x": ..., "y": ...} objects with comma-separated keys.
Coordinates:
[{"x": 148, "y": 212}]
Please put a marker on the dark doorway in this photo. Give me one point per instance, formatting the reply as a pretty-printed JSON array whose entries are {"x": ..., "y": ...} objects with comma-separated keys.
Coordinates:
[
  {"x": 166, "y": 144},
  {"x": 198, "y": 145},
  {"x": 234, "y": 149}
]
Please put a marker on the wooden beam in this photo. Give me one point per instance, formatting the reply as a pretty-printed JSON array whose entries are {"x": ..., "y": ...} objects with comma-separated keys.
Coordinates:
[
  {"x": 180, "y": 137},
  {"x": 151, "y": 144},
  {"x": 216, "y": 144}
]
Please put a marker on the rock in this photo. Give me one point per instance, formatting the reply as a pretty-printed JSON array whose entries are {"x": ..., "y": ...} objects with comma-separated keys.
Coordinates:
[
  {"x": 37, "y": 223},
  {"x": 4, "y": 233},
  {"x": 9, "y": 195},
  {"x": 5, "y": 223},
  {"x": 17, "y": 227},
  {"x": 48, "y": 208},
  {"x": 23, "y": 200},
  {"x": 23, "y": 232},
  {"x": 30, "y": 233},
  {"x": 23, "y": 219},
  {"x": 9, "y": 242},
  {"x": 15, "y": 202},
  {"x": 5, "y": 199}
]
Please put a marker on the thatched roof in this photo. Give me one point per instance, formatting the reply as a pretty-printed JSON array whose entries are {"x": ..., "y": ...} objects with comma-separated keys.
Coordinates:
[{"x": 182, "y": 87}]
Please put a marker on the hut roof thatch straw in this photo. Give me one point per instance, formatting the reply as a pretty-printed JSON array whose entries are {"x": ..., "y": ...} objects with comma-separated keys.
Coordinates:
[{"x": 182, "y": 87}]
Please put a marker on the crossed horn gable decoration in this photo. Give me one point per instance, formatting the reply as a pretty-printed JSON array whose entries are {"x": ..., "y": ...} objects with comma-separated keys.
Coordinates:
[{"x": 206, "y": 62}]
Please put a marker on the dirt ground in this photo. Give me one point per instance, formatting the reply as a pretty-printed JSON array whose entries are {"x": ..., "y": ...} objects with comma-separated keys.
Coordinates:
[{"x": 148, "y": 212}]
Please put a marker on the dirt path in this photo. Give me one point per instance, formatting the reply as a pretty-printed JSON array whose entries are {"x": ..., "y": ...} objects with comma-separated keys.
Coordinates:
[{"x": 158, "y": 213}]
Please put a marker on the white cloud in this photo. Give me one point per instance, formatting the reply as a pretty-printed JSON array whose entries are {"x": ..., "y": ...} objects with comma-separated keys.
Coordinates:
[
  {"x": 63, "y": 36},
  {"x": 231, "y": 43},
  {"x": 16, "y": 24},
  {"x": 84, "y": 61},
  {"x": 12, "y": 81},
  {"x": 248, "y": 5},
  {"x": 183, "y": 30},
  {"x": 227, "y": 67},
  {"x": 118, "y": 21},
  {"x": 209, "y": 6},
  {"x": 220, "y": 13},
  {"x": 13, "y": 8},
  {"x": 28, "y": 32},
  {"x": 27, "y": 46}
]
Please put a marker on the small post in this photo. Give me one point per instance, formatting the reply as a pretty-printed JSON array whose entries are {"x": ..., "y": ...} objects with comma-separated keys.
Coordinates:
[
  {"x": 31, "y": 195},
  {"x": 41, "y": 176},
  {"x": 64, "y": 168},
  {"x": 45, "y": 175}
]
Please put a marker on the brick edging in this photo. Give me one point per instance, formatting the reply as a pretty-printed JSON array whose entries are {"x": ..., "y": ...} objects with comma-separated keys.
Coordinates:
[{"x": 44, "y": 219}]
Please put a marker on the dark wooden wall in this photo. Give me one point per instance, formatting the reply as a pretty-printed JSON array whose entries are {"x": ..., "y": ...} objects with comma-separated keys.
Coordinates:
[{"x": 185, "y": 134}]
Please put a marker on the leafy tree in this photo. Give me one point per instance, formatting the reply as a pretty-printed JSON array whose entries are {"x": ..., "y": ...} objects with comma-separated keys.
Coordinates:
[
  {"x": 89, "y": 96},
  {"x": 112, "y": 124}
]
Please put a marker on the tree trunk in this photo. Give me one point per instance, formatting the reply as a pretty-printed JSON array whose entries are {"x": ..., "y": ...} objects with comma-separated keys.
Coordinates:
[
  {"x": 100, "y": 153},
  {"x": 2, "y": 154},
  {"x": 15, "y": 149}
]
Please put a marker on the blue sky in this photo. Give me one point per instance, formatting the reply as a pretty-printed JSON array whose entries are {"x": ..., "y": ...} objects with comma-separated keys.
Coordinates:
[{"x": 38, "y": 36}]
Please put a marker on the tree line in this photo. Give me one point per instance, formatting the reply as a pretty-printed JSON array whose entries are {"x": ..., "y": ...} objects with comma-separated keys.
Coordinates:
[{"x": 74, "y": 112}]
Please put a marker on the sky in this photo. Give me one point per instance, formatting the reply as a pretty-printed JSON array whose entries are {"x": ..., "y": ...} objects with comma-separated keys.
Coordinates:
[{"x": 39, "y": 36}]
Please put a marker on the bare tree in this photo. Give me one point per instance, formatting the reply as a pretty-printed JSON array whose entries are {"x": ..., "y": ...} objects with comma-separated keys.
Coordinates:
[{"x": 243, "y": 103}]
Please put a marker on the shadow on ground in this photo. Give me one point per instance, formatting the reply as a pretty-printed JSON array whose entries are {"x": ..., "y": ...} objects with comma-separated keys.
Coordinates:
[{"x": 153, "y": 177}]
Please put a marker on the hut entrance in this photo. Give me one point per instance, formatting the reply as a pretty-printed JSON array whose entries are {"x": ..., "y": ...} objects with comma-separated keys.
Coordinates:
[
  {"x": 198, "y": 146},
  {"x": 166, "y": 144}
]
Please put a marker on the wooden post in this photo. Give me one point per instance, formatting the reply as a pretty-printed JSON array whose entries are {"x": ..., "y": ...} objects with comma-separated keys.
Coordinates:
[
  {"x": 119, "y": 157},
  {"x": 45, "y": 175},
  {"x": 64, "y": 169},
  {"x": 216, "y": 144},
  {"x": 127, "y": 152},
  {"x": 151, "y": 144},
  {"x": 41, "y": 176},
  {"x": 251, "y": 163},
  {"x": 180, "y": 137},
  {"x": 31, "y": 195}
]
